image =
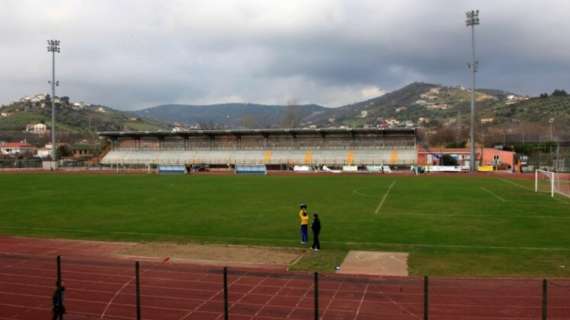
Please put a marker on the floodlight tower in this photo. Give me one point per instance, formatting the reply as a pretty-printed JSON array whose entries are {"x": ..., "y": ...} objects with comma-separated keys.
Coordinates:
[
  {"x": 53, "y": 47},
  {"x": 472, "y": 21}
]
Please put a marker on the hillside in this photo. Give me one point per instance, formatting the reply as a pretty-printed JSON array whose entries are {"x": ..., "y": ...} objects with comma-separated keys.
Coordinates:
[
  {"x": 538, "y": 109},
  {"x": 232, "y": 115},
  {"x": 441, "y": 111},
  {"x": 415, "y": 105},
  {"x": 418, "y": 104},
  {"x": 71, "y": 117}
]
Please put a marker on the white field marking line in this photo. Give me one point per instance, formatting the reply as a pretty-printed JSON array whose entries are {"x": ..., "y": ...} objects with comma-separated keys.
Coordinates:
[
  {"x": 399, "y": 306},
  {"x": 274, "y": 296},
  {"x": 361, "y": 301},
  {"x": 358, "y": 193},
  {"x": 20, "y": 263},
  {"x": 479, "y": 216},
  {"x": 563, "y": 200},
  {"x": 95, "y": 291},
  {"x": 384, "y": 198},
  {"x": 250, "y": 291},
  {"x": 298, "y": 304},
  {"x": 496, "y": 196},
  {"x": 516, "y": 184},
  {"x": 114, "y": 297},
  {"x": 189, "y": 313},
  {"x": 29, "y": 307},
  {"x": 109, "y": 282},
  {"x": 122, "y": 288},
  {"x": 329, "y": 303}
]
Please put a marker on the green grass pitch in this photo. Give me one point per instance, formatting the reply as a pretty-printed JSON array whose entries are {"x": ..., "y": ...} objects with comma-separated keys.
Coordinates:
[{"x": 450, "y": 225}]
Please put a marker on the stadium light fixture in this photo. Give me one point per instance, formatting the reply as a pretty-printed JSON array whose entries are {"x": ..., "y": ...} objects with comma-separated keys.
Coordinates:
[
  {"x": 472, "y": 21},
  {"x": 53, "y": 47}
]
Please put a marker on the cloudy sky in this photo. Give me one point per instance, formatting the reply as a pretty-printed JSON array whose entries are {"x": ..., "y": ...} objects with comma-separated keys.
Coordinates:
[{"x": 136, "y": 54}]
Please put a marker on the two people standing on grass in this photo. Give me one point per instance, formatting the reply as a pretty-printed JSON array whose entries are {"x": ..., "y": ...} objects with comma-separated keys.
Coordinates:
[{"x": 315, "y": 227}]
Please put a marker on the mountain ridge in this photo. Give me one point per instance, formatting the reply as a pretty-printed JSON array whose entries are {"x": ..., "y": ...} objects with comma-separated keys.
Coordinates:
[{"x": 434, "y": 108}]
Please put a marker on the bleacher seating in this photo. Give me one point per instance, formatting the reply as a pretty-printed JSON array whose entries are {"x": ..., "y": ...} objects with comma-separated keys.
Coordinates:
[
  {"x": 313, "y": 147},
  {"x": 224, "y": 157}
]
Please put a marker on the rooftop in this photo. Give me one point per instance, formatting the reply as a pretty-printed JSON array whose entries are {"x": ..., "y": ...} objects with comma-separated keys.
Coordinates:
[{"x": 242, "y": 132}]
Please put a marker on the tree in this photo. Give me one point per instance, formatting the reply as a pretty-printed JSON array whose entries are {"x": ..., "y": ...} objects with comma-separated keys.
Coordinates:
[
  {"x": 559, "y": 93},
  {"x": 63, "y": 150}
]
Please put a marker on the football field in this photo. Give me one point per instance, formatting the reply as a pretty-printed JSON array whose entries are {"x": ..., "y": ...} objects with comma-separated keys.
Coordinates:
[{"x": 450, "y": 225}]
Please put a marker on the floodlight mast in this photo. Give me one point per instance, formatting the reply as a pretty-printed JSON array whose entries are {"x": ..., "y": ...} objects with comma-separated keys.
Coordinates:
[
  {"x": 472, "y": 21},
  {"x": 53, "y": 47}
]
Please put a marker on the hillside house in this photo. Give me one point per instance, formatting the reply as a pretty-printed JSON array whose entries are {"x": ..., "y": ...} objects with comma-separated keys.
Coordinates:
[
  {"x": 84, "y": 151},
  {"x": 487, "y": 120},
  {"x": 36, "y": 128}
]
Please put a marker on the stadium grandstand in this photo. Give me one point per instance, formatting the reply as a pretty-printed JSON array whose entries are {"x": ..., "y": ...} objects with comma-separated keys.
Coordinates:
[{"x": 275, "y": 148}]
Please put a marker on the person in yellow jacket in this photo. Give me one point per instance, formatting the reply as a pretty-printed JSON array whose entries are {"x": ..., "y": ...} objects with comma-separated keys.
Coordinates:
[{"x": 304, "y": 220}]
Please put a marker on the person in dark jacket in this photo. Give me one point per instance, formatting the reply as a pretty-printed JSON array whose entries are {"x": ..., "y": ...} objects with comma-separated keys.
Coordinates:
[
  {"x": 57, "y": 302},
  {"x": 316, "y": 227}
]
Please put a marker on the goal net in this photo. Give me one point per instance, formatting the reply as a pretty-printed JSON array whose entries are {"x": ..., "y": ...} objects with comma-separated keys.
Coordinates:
[{"x": 552, "y": 183}]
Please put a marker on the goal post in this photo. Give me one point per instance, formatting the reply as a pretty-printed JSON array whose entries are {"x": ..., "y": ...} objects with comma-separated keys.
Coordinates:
[
  {"x": 552, "y": 182},
  {"x": 544, "y": 181}
]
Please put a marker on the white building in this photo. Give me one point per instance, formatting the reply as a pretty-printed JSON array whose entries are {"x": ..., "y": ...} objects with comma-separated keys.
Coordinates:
[
  {"x": 36, "y": 128},
  {"x": 45, "y": 151}
]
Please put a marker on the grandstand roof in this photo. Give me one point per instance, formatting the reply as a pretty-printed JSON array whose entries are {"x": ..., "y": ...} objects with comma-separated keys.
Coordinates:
[{"x": 242, "y": 132}]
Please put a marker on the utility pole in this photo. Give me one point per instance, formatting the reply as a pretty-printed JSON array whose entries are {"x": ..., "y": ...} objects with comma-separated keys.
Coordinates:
[
  {"x": 53, "y": 47},
  {"x": 554, "y": 162},
  {"x": 472, "y": 21},
  {"x": 458, "y": 123}
]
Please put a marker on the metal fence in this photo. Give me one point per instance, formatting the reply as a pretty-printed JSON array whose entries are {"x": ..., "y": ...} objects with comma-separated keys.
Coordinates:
[
  {"x": 20, "y": 163},
  {"x": 121, "y": 289}
]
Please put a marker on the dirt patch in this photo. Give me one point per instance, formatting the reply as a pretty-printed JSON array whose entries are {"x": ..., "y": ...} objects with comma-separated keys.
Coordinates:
[
  {"x": 193, "y": 253},
  {"x": 230, "y": 255},
  {"x": 375, "y": 263}
]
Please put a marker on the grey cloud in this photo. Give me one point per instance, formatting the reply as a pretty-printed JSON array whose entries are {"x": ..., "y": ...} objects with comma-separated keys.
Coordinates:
[{"x": 133, "y": 54}]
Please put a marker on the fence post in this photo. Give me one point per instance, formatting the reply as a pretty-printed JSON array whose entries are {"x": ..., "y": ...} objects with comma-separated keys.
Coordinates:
[
  {"x": 426, "y": 298},
  {"x": 138, "y": 289},
  {"x": 316, "y": 291},
  {"x": 58, "y": 272},
  {"x": 544, "y": 299},
  {"x": 226, "y": 311},
  {"x": 59, "y": 284}
]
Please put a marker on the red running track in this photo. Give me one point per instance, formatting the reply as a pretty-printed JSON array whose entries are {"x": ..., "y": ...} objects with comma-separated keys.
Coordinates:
[{"x": 103, "y": 288}]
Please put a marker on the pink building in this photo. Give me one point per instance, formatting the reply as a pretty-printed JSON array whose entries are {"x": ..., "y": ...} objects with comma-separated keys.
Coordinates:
[{"x": 499, "y": 159}]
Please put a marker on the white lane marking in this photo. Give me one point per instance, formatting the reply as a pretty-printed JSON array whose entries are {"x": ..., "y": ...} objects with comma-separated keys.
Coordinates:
[
  {"x": 515, "y": 184},
  {"x": 377, "y": 211},
  {"x": 496, "y": 196}
]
